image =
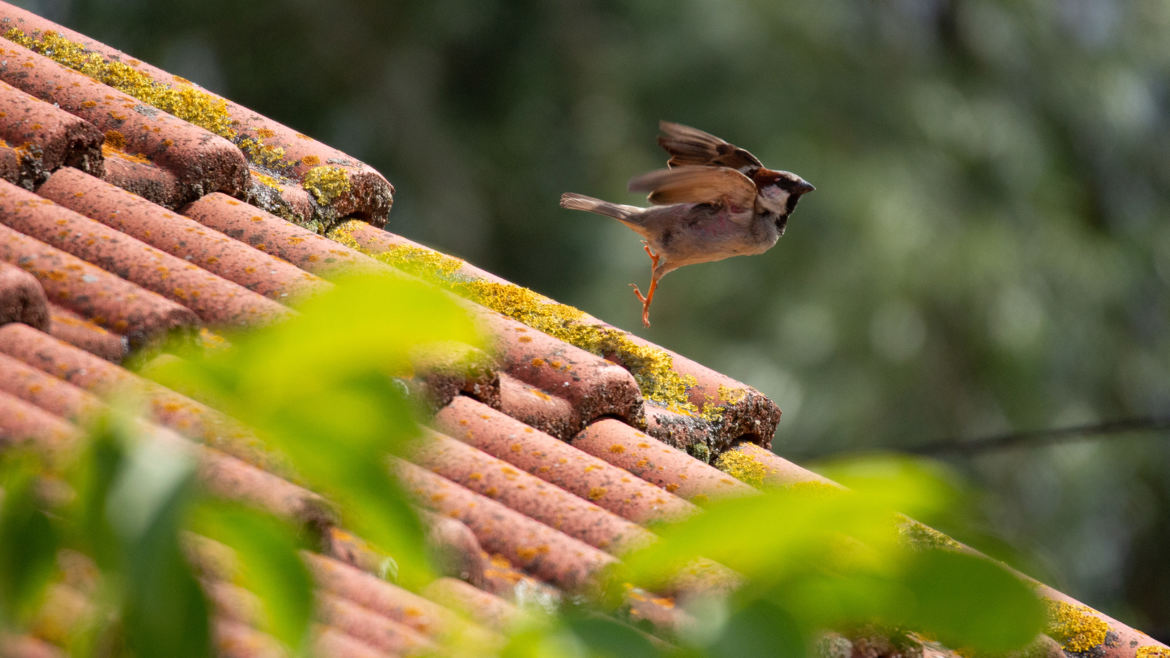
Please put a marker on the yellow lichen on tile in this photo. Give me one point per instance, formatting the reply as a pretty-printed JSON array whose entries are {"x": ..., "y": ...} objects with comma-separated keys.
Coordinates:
[
  {"x": 1075, "y": 626},
  {"x": 265, "y": 180},
  {"x": 1151, "y": 651},
  {"x": 326, "y": 183},
  {"x": 183, "y": 99},
  {"x": 924, "y": 536},
  {"x": 652, "y": 368},
  {"x": 186, "y": 102},
  {"x": 263, "y": 155},
  {"x": 744, "y": 467}
]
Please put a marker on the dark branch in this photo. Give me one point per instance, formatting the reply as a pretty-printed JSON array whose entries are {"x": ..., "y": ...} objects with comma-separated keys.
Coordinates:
[{"x": 1045, "y": 436}]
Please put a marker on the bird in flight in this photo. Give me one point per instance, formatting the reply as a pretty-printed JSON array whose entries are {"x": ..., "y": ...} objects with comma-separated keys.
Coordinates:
[{"x": 715, "y": 200}]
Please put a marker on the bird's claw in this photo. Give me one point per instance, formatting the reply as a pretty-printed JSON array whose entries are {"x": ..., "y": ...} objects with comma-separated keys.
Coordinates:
[{"x": 645, "y": 299}]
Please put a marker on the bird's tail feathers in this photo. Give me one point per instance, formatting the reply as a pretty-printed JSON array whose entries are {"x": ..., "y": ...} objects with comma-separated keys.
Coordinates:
[{"x": 590, "y": 204}]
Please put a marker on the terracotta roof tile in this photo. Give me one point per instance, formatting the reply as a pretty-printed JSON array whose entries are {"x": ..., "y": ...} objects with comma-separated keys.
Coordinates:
[
  {"x": 529, "y": 495},
  {"x": 530, "y": 405},
  {"x": 554, "y": 461},
  {"x": 487, "y": 609},
  {"x": 50, "y": 136},
  {"x": 273, "y": 235},
  {"x": 646, "y": 457},
  {"x": 550, "y": 555},
  {"x": 105, "y": 298},
  {"x": 371, "y": 628},
  {"x": 136, "y": 174},
  {"x": 216, "y": 301},
  {"x": 21, "y": 298},
  {"x": 572, "y": 435},
  {"x": 201, "y": 162},
  {"x": 421, "y": 614},
  {"x": 23, "y": 646},
  {"x": 341, "y": 186},
  {"x": 86, "y": 334},
  {"x": 22, "y": 421},
  {"x": 237, "y": 640},
  {"x": 101, "y": 377},
  {"x": 12, "y": 166},
  {"x": 179, "y": 236}
]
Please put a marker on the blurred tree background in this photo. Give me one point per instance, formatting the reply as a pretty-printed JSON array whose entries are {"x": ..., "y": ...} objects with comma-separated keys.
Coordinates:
[{"x": 987, "y": 250}]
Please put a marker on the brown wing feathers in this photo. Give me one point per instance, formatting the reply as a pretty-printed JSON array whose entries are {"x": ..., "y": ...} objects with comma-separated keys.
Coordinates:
[
  {"x": 691, "y": 146},
  {"x": 691, "y": 184}
]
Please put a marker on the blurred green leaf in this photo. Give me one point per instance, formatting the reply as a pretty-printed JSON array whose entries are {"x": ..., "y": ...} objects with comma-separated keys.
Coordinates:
[
  {"x": 327, "y": 391},
  {"x": 28, "y": 540},
  {"x": 760, "y": 628},
  {"x": 270, "y": 565},
  {"x": 606, "y": 638},
  {"x": 969, "y": 601},
  {"x": 164, "y": 610},
  {"x": 818, "y": 557}
]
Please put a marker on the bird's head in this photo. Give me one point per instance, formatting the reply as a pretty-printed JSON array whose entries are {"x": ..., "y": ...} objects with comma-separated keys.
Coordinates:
[{"x": 779, "y": 191}]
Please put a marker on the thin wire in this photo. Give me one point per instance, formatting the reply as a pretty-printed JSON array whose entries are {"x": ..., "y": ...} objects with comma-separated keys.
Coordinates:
[{"x": 1045, "y": 436}]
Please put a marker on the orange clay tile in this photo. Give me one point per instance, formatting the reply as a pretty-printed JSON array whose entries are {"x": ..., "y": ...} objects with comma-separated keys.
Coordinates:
[
  {"x": 529, "y": 495},
  {"x": 14, "y": 169},
  {"x": 456, "y": 549},
  {"x": 554, "y": 461},
  {"x": 78, "y": 331},
  {"x": 649, "y": 459},
  {"x": 201, "y": 162},
  {"x": 389, "y": 600},
  {"x": 22, "y": 422},
  {"x": 45, "y": 391},
  {"x": 91, "y": 292},
  {"x": 217, "y": 301},
  {"x": 683, "y": 431},
  {"x": 280, "y": 196},
  {"x": 367, "y": 195},
  {"x": 48, "y": 133},
  {"x": 273, "y": 235},
  {"x": 233, "y": 639},
  {"x": 221, "y": 474},
  {"x": 25, "y": 646},
  {"x": 487, "y": 609},
  {"x": 532, "y": 406},
  {"x": 140, "y": 176},
  {"x": 101, "y": 377},
  {"x": 757, "y": 466},
  {"x": 748, "y": 415},
  {"x": 329, "y": 641},
  {"x": 21, "y": 298},
  {"x": 369, "y": 627},
  {"x": 594, "y": 387},
  {"x": 542, "y": 551},
  {"x": 179, "y": 236}
]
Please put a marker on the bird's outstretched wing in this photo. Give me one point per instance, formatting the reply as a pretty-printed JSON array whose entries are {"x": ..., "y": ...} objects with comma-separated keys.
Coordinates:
[
  {"x": 691, "y": 146},
  {"x": 690, "y": 184}
]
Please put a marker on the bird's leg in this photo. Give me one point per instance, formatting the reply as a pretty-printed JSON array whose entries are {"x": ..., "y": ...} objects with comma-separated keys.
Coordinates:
[
  {"x": 645, "y": 299},
  {"x": 650, "y": 252}
]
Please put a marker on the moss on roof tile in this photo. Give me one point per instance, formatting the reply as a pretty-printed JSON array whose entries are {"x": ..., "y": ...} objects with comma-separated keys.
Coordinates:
[
  {"x": 652, "y": 368},
  {"x": 1075, "y": 626}
]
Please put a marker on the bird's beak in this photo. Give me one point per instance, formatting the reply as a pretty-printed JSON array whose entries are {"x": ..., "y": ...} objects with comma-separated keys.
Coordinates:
[{"x": 804, "y": 187}]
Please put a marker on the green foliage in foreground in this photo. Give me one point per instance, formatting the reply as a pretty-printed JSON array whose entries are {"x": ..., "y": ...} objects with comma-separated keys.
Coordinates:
[{"x": 326, "y": 392}]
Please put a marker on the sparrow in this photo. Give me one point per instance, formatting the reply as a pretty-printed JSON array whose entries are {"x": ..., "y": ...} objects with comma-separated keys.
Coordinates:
[{"x": 714, "y": 200}]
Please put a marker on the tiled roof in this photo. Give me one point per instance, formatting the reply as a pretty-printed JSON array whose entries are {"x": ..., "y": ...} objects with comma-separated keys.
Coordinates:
[{"x": 134, "y": 204}]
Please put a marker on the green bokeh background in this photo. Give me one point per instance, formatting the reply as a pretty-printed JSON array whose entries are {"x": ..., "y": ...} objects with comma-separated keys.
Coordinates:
[{"x": 987, "y": 250}]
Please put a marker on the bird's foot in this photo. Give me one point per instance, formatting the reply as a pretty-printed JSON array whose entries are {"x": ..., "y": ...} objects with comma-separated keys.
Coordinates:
[{"x": 645, "y": 299}]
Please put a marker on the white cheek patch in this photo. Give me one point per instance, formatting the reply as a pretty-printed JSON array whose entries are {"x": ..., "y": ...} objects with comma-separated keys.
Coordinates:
[{"x": 774, "y": 199}]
